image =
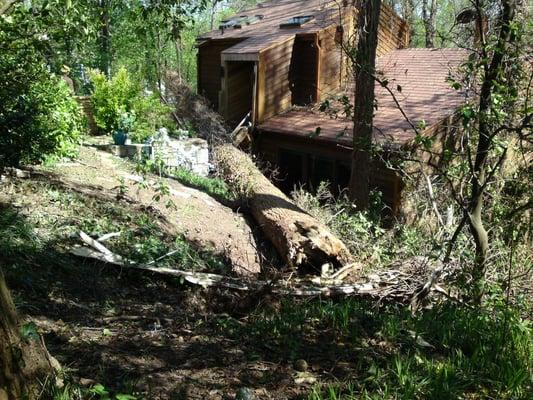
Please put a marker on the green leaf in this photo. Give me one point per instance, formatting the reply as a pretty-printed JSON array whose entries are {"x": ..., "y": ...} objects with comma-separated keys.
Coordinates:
[
  {"x": 122, "y": 396},
  {"x": 314, "y": 134},
  {"x": 29, "y": 331},
  {"x": 99, "y": 389}
]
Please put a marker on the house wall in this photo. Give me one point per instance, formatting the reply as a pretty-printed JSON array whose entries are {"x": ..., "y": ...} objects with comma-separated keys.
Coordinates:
[
  {"x": 273, "y": 87},
  {"x": 209, "y": 68},
  {"x": 271, "y": 145},
  {"x": 331, "y": 62},
  {"x": 393, "y": 32}
]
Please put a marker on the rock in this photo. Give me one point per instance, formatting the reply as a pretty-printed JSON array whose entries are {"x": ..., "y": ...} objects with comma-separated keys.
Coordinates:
[
  {"x": 85, "y": 382},
  {"x": 301, "y": 365},
  {"x": 245, "y": 394}
]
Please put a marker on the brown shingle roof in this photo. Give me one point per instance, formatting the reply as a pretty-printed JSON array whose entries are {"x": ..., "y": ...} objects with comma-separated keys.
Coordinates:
[
  {"x": 425, "y": 95},
  {"x": 264, "y": 32}
]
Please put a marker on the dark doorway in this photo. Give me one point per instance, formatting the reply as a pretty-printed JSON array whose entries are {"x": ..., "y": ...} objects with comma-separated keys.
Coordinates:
[
  {"x": 240, "y": 87},
  {"x": 303, "y": 72}
]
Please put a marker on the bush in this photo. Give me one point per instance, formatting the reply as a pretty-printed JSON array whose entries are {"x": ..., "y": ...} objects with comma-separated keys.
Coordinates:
[
  {"x": 151, "y": 114},
  {"x": 113, "y": 98},
  {"x": 38, "y": 115}
]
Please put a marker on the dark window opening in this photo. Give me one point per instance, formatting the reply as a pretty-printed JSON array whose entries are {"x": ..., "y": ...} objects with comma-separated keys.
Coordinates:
[
  {"x": 239, "y": 22},
  {"x": 303, "y": 72},
  {"x": 296, "y": 22},
  {"x": 239, "y": 86},
  {"x": 292, "y": 170}
]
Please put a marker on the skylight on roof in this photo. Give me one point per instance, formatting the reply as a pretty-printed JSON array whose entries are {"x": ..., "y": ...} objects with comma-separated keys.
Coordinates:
[
  {"x": 296, "y": 22},
  {"x": 240, "y": 21}
]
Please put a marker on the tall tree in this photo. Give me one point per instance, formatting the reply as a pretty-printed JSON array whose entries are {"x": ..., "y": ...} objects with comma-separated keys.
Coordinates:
[
  {"x": 363, "y": 115},
  {"x": 496, "y": 63},
  {"x": 105, "y": 36},
  {"x": 429, "y": 17},
  {"x": 408, "y": 13}
]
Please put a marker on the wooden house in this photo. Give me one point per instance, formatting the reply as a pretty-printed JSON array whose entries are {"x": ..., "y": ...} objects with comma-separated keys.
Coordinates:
[{"x": 280, "y": 59}]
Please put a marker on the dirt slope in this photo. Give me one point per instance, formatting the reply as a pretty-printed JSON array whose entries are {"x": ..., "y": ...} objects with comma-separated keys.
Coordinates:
[{"x": 197, "y": 216}]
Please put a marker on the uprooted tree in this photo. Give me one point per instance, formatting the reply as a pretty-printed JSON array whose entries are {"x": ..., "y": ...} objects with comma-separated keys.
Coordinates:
[{"x": 298, "y": 237}]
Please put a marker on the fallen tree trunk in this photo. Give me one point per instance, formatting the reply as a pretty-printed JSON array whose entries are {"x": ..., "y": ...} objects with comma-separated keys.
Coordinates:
[{"x": 299, "y": 238}]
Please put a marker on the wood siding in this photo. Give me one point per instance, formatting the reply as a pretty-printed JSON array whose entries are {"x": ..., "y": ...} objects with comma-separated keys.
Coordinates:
[
  {"x": 209, "y": 68},
  {"x": 393, "y": 32},
  {"x": 271, "y": 145},
  {"x": 331, "y": 62},
  {"x": 274, "y": 92}
]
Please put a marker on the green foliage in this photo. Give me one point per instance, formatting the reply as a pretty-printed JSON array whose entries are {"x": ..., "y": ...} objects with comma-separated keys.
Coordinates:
[
  {"x": 29, "y": 331},
  {"x": 447, "y": 352},
  {"x": 151, "y": 115},
  {"x": 38, "y": 115},
  {"x": 120, "y": 105},
  {"x": 213, "y": 186},
  {"x": 111, "y": 98}
]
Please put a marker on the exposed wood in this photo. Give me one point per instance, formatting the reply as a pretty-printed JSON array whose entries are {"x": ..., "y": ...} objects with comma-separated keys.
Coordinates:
[{"x": 298, "y": 237}]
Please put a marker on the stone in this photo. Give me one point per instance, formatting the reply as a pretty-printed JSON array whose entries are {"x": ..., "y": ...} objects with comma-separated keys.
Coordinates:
[
  {"x": 301, "y": 365},
  {"x": 245, "y": 394}
]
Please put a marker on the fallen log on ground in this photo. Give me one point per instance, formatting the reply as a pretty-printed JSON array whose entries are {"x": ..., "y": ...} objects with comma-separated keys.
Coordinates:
[{"x": 299, "y": 238}]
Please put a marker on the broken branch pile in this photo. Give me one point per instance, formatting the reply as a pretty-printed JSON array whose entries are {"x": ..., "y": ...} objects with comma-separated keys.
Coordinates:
[{"x": 391, "y": 284}]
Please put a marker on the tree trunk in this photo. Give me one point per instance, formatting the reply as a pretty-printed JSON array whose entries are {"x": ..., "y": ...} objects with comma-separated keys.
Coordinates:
[
  {"x": 408, "y": 13},
  {"x": 299, "y": 238},
  {"x": 365, "y": 65},
  {"x": 105, "y": 40},
  {"x": 24, "y": 362},
  {"x": 429, "y": 15},
  {"x": 492, "y": 77}
]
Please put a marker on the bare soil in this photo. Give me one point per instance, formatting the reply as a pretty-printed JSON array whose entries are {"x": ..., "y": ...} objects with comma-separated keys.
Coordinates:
[
  {"x": 138, "y": 333},
  {"x": 197, "y": 216}
]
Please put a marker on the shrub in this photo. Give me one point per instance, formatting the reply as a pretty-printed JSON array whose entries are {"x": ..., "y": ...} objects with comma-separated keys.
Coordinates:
[
  {"x": 113, "y": 98},
  {"x": 151, "y": 114},
  {"x": 38, "y": 115}
]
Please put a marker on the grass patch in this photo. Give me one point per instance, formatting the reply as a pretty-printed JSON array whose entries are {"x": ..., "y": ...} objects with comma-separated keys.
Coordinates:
[
  {"x": 213, "y": 186},
  {"x": 448, "y": 352},
  {"x": 53, "y": 226}
]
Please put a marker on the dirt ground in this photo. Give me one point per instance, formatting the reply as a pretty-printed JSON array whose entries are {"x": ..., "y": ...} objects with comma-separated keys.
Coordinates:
[
  {"x": 132, "y": 332},
  {"x": 194, "y": 214}
]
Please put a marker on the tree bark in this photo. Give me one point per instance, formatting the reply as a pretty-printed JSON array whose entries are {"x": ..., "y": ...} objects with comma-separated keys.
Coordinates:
[
  {"x": 24, "y": 362},
  {"x": 364, "y": 68},
  {"x": 408, "y": 13},
  {"x": 300, "y": 239},
  {"x": 492, "y": 77},
  {"x": 429, "y": 15},
  {"x": 105, "y": 37}
]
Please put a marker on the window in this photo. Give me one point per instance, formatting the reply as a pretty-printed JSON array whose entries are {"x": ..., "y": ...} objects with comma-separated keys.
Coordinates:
[
  {"x": 296, "y": 22},
  {"x": 240, "y": 21}
]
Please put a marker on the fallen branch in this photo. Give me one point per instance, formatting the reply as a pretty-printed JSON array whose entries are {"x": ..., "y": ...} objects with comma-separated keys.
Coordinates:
[{"x": 391, "y": 284}]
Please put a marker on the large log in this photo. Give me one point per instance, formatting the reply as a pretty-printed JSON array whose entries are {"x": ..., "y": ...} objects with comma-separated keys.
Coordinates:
[{"x": 299, "y": 238}]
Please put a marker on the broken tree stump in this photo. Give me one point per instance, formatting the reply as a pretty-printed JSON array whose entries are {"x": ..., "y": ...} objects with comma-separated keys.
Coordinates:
[{"x": 298, "y": 237}]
